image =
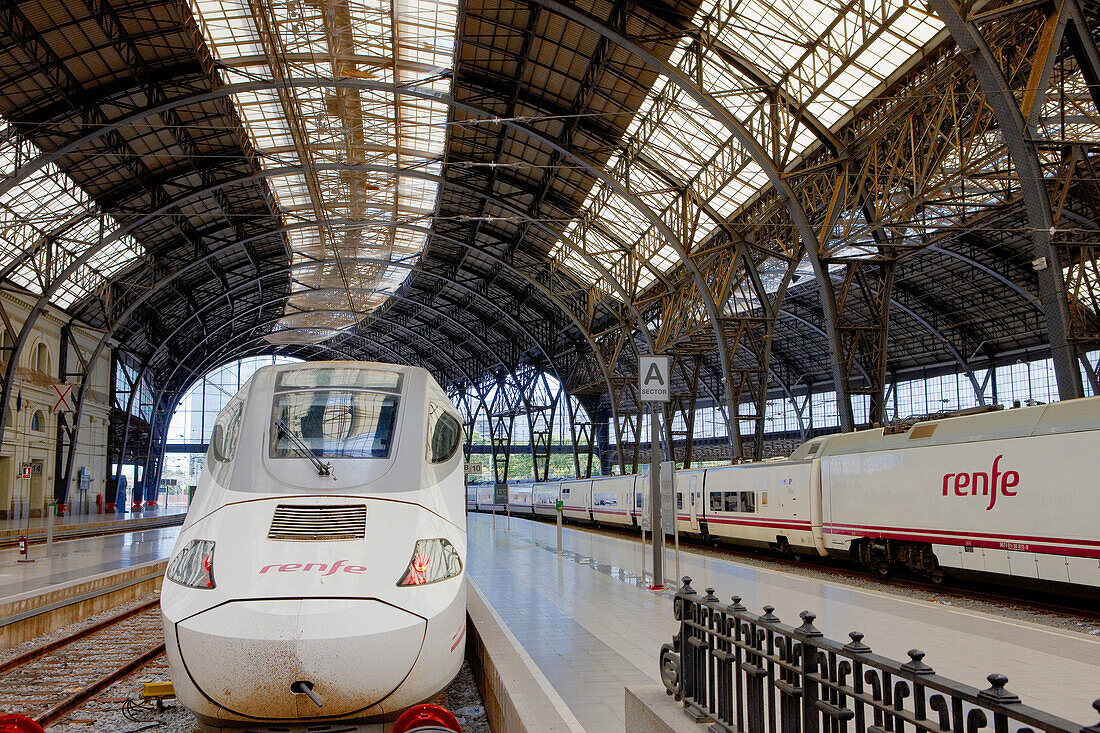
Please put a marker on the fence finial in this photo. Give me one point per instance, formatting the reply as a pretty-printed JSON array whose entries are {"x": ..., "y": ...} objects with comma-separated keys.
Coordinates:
[
  {"x": 915, "y": 663},
  {"x": 856, "y": 644},
  {"x": 769, "y": 617},
  {"x": 997, "y": 691},
  {"x": 807, "y": 628},
  {"x": 710, "y": 597},
  {"x": 737, "y": 604},
  {"x": 687, "y": 589},
  {"x": 1093, "y": 728}
]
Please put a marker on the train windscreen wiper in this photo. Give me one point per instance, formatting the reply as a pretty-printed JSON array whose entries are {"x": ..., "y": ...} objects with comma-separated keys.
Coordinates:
[{"x": 299, "y": 445}]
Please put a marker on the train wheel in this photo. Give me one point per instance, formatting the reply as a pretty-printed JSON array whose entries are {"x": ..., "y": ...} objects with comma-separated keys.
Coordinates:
[
  {"x": 883, "y": 569},
  {"x": 427, "y": 718}
]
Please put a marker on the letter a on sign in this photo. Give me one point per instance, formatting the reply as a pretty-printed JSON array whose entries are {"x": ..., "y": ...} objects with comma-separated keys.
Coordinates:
[{"x": 653, "y": 378}]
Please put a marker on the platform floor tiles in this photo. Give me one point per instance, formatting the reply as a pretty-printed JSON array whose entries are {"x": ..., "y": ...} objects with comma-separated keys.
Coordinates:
[
  {"x": 591, "y": 628},
  {"x": 70, "y": 520},
  {"x": 77, "y": 559}
]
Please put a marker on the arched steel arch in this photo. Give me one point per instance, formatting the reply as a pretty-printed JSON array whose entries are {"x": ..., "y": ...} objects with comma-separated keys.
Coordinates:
[
  {"x": 593, "y": 169},
  {"x": 1017, "y": 134}
]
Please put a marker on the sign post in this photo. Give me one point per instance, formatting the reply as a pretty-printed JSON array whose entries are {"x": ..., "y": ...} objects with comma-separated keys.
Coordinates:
[
  {"x": 558, "y": 507},
  {"x": 653, "y": 387}
]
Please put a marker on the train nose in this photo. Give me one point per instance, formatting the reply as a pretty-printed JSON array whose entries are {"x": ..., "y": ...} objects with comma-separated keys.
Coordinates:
[{"x": 250, "y": 657}]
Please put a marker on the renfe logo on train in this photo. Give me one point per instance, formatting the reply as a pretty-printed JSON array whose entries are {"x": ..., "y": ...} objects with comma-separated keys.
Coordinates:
[
  {"x": 991, "y": 483},
  {"x": 323, "y": 568}
]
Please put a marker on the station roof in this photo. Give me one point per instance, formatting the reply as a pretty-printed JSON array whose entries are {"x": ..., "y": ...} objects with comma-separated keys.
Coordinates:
[{"x": 476, "y": 185}]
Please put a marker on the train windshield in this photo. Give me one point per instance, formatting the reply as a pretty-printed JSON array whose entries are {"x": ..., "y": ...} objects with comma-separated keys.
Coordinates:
[{"x": 332, "y": 423}]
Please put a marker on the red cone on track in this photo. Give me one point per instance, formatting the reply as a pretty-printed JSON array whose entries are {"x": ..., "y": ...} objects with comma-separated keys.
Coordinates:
[
  {"x": 21, "y": 724},
  {"x": 426, "y": 719}
]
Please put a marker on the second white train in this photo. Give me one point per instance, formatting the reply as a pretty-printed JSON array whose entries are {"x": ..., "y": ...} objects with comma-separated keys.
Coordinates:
[{"x": 1012, "y": 494}]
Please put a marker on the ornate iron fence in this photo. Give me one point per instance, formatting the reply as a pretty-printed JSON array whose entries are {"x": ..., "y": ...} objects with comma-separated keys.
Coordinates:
[{"x": 750, "y": 673}]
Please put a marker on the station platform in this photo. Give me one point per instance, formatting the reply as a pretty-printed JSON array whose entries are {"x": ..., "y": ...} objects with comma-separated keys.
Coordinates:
[
  {"x": 79, "y": 525},
  {"x": 79, "y": 559},
  {"x": 588, "y": 625}
]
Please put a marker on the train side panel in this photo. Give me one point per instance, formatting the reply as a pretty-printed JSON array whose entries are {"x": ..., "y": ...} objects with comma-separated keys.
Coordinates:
[
  {"x": 545, "y": 498},
  {"x": 576, "y": 497},
  {"x": 1022, "y": 507},
  {"x": 761, "y": 504},
  {"x": 520, "y": 499},
  {"x": 611, "y": 500}
]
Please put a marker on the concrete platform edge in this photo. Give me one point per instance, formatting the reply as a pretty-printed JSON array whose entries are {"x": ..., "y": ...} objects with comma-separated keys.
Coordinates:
[
  {"x": 518, "y": 698},
  {"x": 649, "y": 709},
  {"x": 29, "y": 615}
]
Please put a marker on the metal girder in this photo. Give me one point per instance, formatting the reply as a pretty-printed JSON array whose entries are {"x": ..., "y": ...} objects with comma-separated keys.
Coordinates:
[
  {"x": 253, "y": 86},
  {"x": 1013, "y": 126},
  {"x": 762, "y": 159}
]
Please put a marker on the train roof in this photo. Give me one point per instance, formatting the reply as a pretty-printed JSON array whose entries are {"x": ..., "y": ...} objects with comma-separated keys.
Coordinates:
[{"x": 1068, "y": 416}]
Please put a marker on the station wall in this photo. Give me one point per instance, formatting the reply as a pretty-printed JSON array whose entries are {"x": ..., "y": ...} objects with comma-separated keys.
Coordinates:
[{"x": 31, "y": 434}]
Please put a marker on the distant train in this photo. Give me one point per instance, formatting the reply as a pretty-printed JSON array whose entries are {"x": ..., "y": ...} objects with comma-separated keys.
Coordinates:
[
  {"x": 1012, "y": 494},
  {"x": 319, "y": 577}
]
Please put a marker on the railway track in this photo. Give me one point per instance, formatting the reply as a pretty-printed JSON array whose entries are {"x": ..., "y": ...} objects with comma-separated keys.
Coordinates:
[{"x": 50, "y": 681}]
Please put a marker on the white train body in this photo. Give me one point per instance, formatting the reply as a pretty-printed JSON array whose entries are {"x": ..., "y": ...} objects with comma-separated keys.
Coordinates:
[
  {"x": 1013, "y": 494},
  {"x": 351, "y": 584}
]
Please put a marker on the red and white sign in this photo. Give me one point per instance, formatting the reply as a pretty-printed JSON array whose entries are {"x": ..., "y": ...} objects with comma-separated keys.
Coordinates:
[
  {"x": 63, "y": 392},
  {"x": 26, "y": 472}
]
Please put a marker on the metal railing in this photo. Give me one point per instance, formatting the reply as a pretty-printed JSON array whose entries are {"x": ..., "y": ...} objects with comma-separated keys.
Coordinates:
[{"x": 750, "y": 673}]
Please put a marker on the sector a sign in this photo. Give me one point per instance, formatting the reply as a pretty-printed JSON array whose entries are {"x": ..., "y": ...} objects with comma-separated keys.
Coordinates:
[{"x": 653, "y": 378}]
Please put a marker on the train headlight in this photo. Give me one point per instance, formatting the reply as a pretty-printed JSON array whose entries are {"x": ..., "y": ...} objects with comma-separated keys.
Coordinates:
[
  {"x": 194, "y": 566},
  {"x": 432, "y": 561}
]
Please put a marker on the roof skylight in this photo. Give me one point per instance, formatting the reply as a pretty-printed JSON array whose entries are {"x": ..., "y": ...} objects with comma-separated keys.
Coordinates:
[
  {"x": 363, "y": 152},
  {"x": 827, "y": 56},
  {"x": 46, "y": 222}
]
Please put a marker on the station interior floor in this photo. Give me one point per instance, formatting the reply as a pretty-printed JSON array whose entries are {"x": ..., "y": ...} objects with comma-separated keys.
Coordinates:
[
  {"x": 588, "y": 627},
  {"x": 69, "y": 520},
  {"x": 591, "y": 627}
]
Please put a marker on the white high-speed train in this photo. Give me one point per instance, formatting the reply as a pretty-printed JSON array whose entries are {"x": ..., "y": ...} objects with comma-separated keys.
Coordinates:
[
  {"x": 1010, "y": 494},
  {"x": 319, "y": 577}
]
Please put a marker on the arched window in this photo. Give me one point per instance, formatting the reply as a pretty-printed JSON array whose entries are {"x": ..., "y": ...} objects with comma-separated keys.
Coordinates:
[
  {"x": 42, "y": 359},
  {"x": 38, "y": 421}
]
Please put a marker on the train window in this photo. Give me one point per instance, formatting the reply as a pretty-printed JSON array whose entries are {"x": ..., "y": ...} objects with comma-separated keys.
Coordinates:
[
  {"x": 638, "y": 499},
  {"x": 346, "y": 377},
  {"x": 679, "y": 500},
  {"x": 716, "y": 501},
  {"x": 444, "y": 434},
  {"x": 605, "y": 500},
  {"x": 227, "y": 428},
  {"x": 564, "y": 490},
  {"x": 748, "y": 501},
  {"x": 333, "y": 424},
  {"x": 731, "y": 502}
]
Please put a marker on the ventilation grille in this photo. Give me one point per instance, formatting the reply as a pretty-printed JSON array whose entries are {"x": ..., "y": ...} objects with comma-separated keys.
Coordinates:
[{"x": 298, "y": 522}]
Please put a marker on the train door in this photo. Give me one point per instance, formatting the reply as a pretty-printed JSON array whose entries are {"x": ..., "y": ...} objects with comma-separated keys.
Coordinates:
[{"x": 693, "y": 508}]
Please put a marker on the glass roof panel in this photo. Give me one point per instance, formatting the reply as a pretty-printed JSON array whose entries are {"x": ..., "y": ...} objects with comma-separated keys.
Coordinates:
[
  {"x": 48, "y": 206},
  {"x": 829, "y": 57},
  {"x": 363, "y": 150}
]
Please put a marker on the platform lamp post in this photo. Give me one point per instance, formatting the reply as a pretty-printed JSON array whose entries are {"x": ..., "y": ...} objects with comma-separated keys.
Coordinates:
[{"x": 653, "y": 388}]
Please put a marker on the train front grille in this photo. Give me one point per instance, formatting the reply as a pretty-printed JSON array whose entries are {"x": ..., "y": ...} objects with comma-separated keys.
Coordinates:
[{"x": 303, "y": 522}]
